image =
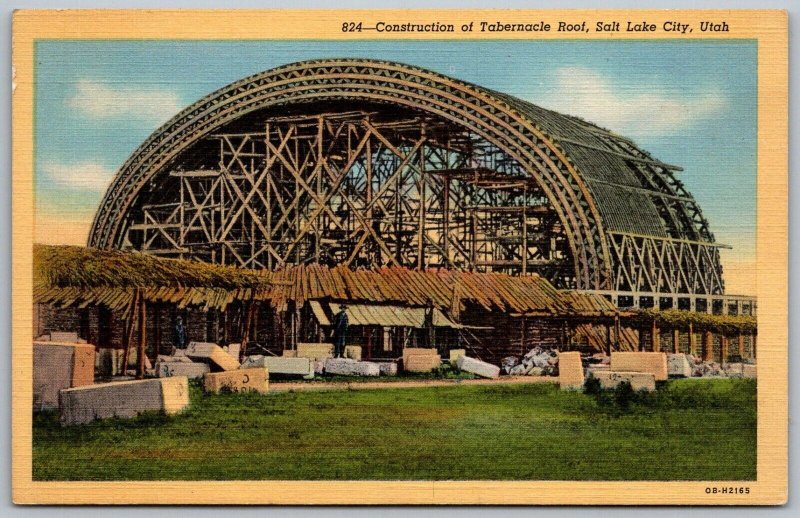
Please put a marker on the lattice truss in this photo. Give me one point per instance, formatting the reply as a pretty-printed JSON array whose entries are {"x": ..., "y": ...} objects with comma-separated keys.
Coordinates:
[{"x": 356, "y": 189}]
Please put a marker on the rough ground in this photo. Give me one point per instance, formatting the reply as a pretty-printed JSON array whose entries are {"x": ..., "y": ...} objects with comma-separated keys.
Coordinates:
[{"x": 688, "y": 430}]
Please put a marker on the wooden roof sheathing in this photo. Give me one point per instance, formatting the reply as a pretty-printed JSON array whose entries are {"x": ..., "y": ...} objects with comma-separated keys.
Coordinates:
[{"x": 75, "y": 276}]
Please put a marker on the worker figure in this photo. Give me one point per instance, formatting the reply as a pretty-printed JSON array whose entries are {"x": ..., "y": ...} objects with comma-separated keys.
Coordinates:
[
  {"x": 180, "y": 338},
  {"x": 427, "y": 325},
  {"x": 340, "y": 323}
]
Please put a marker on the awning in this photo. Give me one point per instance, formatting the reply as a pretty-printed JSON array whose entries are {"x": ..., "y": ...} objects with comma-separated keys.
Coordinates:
[
  {"x": 389, "y": 316},
  {"x": 319, "y": 313}
]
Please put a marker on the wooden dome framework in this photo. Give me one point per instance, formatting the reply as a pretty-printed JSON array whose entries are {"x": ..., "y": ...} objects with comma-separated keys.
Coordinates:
[{"x": 369, "y": 163}]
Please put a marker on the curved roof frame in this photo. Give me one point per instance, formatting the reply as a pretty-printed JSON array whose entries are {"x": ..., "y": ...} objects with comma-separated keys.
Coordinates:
[{"x": 488, "y": 114}]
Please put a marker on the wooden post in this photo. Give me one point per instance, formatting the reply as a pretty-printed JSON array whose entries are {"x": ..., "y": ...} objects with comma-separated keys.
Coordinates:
[
  {"x": 676, "y": 341},
  {"x": 617, "y": 331},
  {"x": 724, "y": 349},
  {"x": 753, "y": 346},
  {"x": 708, "y": 346},
  {"x": 608, "y": 339},
  {"x": 157, "y": 323},
  {"x": 692, "y": 341},
  {"x": 248, "y": 319},
  {"x": 128, "y": 338},
  {"x": 655, "y": 337},
  {"x": 741, "y": 346},
  {"x": 142, "y": 349}
]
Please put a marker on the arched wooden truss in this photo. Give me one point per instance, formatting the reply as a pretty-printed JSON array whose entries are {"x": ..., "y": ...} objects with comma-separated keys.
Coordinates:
[{"x": 372, "y": 163}]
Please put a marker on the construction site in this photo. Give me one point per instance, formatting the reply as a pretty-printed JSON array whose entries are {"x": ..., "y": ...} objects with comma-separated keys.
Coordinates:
[{"x": 353, "y": 218}]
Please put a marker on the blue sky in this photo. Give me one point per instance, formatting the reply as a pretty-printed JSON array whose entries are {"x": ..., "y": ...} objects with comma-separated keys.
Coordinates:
[{"x": 691, "y": 104}]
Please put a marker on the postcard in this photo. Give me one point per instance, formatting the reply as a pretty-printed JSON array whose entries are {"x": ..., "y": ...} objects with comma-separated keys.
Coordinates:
[{"x": 435, "y": 257}]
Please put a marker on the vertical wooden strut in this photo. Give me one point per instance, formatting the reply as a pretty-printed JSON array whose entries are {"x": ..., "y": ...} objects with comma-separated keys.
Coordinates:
[
  {"x": 129, "y": 327},
  {"x": 676, "y": 341},
  {"x": 141, "y": 352},
  {"x": 692, "y": 341},
  {"x": 655, "y": 337}
]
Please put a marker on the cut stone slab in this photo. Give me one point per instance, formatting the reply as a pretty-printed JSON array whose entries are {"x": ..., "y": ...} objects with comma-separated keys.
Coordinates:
[
  {"x": 289, "y": 353},
  {"x": 123, "y": 399},
  {"x": 748, "y": 371},
  {"x": 478, "y": 367},
  {"x": 64, "y": 336},
  {"x": 570, "y": 370},
  {"x": 281, "y": 365},
  {"x": 455, "y": 354},
  {"x": 353, "y": 352},
  {"x": 171, "y": 369},
  {"x": 253, "y": 379},
  {"x": 654, "y": 363},
  {"x": 163, "y": 358},
  {"x": 212, "y": 353},
  {"x": 350, "y": 367},
  {"x": 233, "y": 349},
  {"x": 57, "y": 366},
  {"x": 678, "y": 365},
  {"x": 638, "y": 380},
  {"x": 428, "y": 351},
  {"x": 108, "y": 361},
  {"x": 387, "y": 368},
  {"x": 315, "y": 351},
  {"x": 421, "y": 362}
]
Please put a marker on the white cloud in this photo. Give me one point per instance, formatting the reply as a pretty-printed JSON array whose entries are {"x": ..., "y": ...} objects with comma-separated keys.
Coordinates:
[
  {"x": 636, "y": 110},
  {"x": 85, "y": 176},
  {"x": 104, "y": 101}
]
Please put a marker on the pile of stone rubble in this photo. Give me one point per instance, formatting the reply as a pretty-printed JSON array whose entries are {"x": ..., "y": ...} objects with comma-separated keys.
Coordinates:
[{"x": 536, "y": 362}]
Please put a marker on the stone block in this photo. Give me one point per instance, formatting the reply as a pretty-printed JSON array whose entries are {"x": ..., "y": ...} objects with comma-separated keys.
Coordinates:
[
  {"x": 570, "y": 370},
  {"x": 319, "y": 366},
  {"x": 123, "y": 399},
  {"x": 455, "y": 354},
  {"x": 387, "y": 368},
  {"x": 280, "y": 365},
  {"x": 315, "y": 351},
  {"x": 253, "y": 379},
  {"x": 57, "y": 366},
  {"x": 652, "y": 362},
  {"x": 478, "y": 367},
  {"x": 638, "y": 380},
  {"x": 421, "y": 362},
  {"x": 64, "y": 336},
  {"x": 213, "y": 354},
  {"x": 427, "y": 351},
  {"x": 289, "y": 353},
  {"x": 349, "y": 367},
  {"x": 190, "y": 370},
  {"x": 176, "y": 358},
  {"x": 353, "y": 352},
  {"x": 233, "y": 349},
  {"x": 108, "y": 361},
  {"x": 678, "y": 366},
  {"x": 748, "y": 371}
]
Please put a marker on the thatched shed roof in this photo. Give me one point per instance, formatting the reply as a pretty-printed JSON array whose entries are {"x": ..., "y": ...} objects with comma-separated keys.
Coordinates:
[{"x": 76, "y": 276}]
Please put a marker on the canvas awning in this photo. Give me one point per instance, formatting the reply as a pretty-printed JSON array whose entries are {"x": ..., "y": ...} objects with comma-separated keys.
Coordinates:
[
  {"x": 389, "y": 316},
  {"x": 319, "y": 313}
]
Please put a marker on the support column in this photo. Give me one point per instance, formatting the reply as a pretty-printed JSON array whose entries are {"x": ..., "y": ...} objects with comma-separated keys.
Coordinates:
[
  {"x": 741, "y": 346},
  {"x": 655, "y": 337},
  {"x": 692, "y": 340},
  {"x": 142, "y": 349},
  {"x": 608, "y": 339},
  {"x": 676, "y": 341},
  {"x": 708, "y": 349},
  {"x": 724, "y": 349}
]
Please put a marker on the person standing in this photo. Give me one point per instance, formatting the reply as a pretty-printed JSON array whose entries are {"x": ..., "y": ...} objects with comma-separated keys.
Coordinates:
[
  {"x": 180, "y": 338},
  {"x": 427, "y": 325},
  {"x": 340, "y": 324}
]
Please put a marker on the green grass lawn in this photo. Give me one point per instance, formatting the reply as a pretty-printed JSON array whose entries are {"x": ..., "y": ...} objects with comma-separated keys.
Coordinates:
[{"x": 687, "y": 430}]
